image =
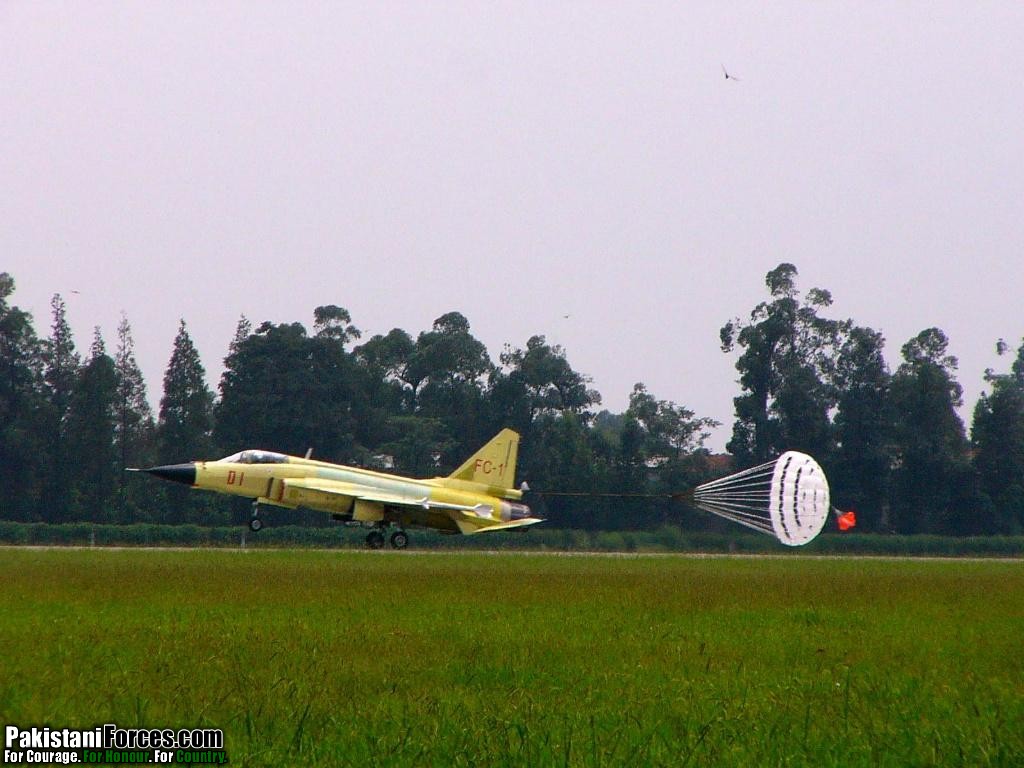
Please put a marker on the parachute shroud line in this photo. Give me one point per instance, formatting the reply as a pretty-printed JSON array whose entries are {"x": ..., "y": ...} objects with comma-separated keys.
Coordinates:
[{"x": 787, "y": 498}]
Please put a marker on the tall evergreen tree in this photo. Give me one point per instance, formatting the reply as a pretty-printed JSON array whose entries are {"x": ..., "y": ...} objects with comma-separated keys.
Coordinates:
[
  {"x": 62, "y": 360},
  {"x": 61, "y": 370},
  {"x": 932, "y": 473},
  {"x": 134, "y": 428},
  {"x": 997, "y": 432},
  {"x": 184, "y": 430},
  {"x": 186, "y": 408},
  {"x": 92, "y": 420},
  {"x": 22, "y": 409},
  {"x": 243, "y": 330}
]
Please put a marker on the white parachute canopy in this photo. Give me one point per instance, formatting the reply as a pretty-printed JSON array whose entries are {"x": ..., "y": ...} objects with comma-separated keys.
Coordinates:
[{"x": 787, "y": 498}]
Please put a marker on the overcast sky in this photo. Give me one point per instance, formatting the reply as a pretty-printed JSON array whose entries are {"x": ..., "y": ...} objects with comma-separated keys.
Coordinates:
[{"x": 517, "y": 162}]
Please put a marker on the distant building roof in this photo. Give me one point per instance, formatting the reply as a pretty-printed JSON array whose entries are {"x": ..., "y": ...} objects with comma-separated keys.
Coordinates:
[{"x": 720, "y": 462}]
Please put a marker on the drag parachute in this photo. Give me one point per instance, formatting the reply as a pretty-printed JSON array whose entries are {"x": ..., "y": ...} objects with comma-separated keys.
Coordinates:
[{"x": 787, "y": 498}]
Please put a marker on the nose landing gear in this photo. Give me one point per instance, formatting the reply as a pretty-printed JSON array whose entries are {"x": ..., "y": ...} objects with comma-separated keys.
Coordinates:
[{"x": 255, "y": 524}]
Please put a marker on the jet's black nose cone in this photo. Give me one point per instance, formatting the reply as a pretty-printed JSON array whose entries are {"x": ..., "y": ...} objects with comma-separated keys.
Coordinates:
[{"x": 178, "y": 473}]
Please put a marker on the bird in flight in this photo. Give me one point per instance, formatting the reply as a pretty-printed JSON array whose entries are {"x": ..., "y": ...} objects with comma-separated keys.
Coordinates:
[{"x": 728, "y": 76}]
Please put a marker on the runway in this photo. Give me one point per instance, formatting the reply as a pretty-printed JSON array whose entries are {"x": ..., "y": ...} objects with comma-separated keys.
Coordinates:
[{"x": 524, "y": 553}]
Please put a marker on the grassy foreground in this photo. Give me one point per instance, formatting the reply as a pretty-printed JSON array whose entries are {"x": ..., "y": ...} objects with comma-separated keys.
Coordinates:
[{"x": 344, "y": 658}]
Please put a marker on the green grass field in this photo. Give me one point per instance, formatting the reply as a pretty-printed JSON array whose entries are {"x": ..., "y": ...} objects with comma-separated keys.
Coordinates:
[{"x": 328, "y": 658}]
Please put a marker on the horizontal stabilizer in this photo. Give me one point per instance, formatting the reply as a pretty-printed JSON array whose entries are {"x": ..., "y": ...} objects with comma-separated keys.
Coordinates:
[{"x": 469, "y": 528}]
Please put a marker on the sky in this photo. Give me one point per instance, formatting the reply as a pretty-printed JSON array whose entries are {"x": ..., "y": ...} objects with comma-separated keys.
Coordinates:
[{"x": 518, "y": 162}]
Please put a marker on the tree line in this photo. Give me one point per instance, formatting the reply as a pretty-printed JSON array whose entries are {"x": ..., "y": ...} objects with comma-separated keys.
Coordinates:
[{"x": 891, "y": 441}]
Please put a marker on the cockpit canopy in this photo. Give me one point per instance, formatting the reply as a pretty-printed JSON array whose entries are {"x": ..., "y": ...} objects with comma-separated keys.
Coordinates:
[{"x": 255, "y": 457}]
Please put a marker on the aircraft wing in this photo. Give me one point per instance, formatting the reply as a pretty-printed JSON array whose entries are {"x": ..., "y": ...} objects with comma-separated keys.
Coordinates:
[
  {"x": 468, "y": 519},
  {"x": 369, "y": 493}
]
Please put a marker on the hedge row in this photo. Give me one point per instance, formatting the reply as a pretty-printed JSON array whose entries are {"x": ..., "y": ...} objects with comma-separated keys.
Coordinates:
[{"x": 666, "y": 539}]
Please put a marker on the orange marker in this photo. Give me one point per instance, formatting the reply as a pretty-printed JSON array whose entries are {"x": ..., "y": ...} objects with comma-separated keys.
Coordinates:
[{"x": 846, "y": 520}]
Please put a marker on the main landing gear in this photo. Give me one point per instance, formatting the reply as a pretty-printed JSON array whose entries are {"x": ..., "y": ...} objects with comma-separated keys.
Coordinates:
[{"x": 375, "y": 539}]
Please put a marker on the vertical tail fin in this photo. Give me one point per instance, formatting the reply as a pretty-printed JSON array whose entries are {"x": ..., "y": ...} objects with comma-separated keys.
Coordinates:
[{"x": 494, "y": 464}]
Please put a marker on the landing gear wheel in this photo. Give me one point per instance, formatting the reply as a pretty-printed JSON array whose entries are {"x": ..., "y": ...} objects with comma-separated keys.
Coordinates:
[
  {"x": 255, "y": 524},
  {"x": 375, "y": 539},
  {"x": 399, "y": 540}
]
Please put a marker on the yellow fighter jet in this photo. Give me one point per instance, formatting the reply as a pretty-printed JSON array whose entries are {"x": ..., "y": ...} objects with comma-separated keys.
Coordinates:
[{"x": 477, "y": 497}]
